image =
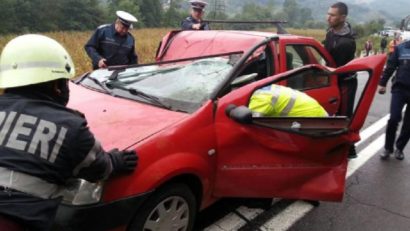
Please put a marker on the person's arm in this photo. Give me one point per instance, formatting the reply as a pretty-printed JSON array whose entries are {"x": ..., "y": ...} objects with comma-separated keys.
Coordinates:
[
  {"x": 187, "y": 25},
  {"x": 392, "y": 64},
  {"x": 92, "y": 46},
  {"x": 92, "y": 163}
]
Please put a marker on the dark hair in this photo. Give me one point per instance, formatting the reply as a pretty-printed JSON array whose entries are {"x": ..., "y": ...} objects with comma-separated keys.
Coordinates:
[{"x": 341, "y": 7}]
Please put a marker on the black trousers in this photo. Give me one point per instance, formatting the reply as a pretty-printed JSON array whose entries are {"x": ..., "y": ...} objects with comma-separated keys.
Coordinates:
[{"x": 399, "y": 99}]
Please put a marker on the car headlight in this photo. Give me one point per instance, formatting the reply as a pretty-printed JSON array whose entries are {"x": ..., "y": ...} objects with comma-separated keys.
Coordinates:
[{"x": 82, "y": 192}]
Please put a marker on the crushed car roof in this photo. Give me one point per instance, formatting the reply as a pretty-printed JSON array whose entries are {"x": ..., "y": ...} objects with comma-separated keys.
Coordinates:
[{"x": 186, "y": 44}]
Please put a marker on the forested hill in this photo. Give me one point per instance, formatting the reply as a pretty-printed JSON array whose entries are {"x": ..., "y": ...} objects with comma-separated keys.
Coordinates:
[{"x": 361, "y": 10}]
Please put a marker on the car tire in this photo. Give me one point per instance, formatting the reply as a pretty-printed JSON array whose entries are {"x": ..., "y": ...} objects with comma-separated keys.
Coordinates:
[{"x": 172, "y": 207}]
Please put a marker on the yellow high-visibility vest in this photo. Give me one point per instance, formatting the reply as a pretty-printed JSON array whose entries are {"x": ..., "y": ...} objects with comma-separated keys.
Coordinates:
[{"x": 278, "y": 100}]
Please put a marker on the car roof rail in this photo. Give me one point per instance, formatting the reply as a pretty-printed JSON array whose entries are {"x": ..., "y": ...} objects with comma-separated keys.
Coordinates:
[{"x": 277, "y": 23}]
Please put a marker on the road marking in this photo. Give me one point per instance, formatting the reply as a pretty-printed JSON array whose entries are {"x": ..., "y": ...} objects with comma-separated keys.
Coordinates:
[
  {"x": 299, "y": 209},
  {"x": 368, "y": 132},
  {"x": 365, "y": 155},
  {"x": 288, "y": 217}
]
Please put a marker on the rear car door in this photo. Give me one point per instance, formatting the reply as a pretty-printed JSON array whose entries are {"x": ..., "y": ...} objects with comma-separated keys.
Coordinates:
[{"x": 299, "y": 158}]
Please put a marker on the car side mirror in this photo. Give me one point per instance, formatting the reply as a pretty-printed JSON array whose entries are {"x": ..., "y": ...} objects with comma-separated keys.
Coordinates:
[
  {"x": 241, "y": 114},
  {"x": 243, "y": 80}
]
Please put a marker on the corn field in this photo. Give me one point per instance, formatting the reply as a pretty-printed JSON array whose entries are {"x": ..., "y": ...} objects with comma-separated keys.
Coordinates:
[{"x": 147, "y": 43}]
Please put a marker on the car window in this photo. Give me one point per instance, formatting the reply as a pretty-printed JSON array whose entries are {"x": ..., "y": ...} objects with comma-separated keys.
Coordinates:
[
  {"x": 181, "y": 85},
  {"x": 307, "y": 80},
  {"x": 301, "y": 55}
]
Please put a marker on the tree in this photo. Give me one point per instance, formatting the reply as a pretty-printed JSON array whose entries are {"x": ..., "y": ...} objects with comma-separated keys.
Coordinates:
[
  {"x": 173, "y": 15},
  {"x": 291, "y": 8},
  {"x": 151, "y": 12}
]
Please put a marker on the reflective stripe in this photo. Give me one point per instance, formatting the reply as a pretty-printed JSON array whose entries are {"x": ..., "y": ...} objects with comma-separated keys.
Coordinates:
[
  {"x": 257, "y": 114},
  {"x": 275, "y": 94},
  {"x": 28, "y": 184},
  {"x": 89, "y": 159},
  {"x": 291, "y": 103},
  {"x": 30, "y": 65}
]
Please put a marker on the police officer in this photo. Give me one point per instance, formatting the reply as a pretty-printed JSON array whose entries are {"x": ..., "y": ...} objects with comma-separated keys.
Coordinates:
[
  {"x": 399, "y": 60},
  {"x": 340, "y": 43},
  {"x": 112, "y": 44},
  {"x": 42, "y": 142},
  {"x": 194, "y": 21},
  {"x": 277, "y": 100}
]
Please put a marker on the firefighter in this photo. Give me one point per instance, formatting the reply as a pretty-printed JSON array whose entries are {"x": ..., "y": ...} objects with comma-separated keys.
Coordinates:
[
  {"x": 112, "y": 44},
  {"x": 194, "y": 21},
  {"x": 42, "y": 142},
  {"x": 398, "y": 61},
  {"x": 277, "y": 100}
]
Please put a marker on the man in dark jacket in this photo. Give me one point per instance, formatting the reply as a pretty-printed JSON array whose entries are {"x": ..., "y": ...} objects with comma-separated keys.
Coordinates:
[
  {"x": 194, "y": 21},
  {"x": 112, "y": 44},
  {"x": 43, "y": 143},
  {"x": 340, "y": 43},
  {"x": 399, "y": 60}
]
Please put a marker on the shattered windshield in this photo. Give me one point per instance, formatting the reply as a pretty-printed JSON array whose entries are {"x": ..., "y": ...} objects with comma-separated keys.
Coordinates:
[{"x": 180, "y": 86}]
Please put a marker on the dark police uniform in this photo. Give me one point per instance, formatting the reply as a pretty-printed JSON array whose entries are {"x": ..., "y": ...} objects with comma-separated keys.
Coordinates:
[
  {"x": 107, "y": 43},
  {"x": 189, "y": 21},
  {"x": 400, "y": 61},
  {"x": 42, "y": 145}
]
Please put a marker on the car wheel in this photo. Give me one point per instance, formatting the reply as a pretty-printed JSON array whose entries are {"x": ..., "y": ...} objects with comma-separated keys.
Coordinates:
[{"x": 170, "y": 208}]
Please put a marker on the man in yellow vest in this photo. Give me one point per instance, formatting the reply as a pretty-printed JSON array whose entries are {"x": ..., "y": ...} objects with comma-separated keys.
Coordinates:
[{"x": 277, "y": 100}]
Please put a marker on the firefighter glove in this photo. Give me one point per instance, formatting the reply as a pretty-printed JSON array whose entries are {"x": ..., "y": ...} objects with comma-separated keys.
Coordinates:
[{"x": 123, "y": 161}]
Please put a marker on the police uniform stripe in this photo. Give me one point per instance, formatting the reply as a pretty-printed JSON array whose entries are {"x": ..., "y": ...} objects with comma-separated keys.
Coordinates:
[
  {"x": 275, "y": 94},
  {"x": 290, "y": 105},
  {"x": 30, "y": 65},
  {"x": 89, "y": 159}
]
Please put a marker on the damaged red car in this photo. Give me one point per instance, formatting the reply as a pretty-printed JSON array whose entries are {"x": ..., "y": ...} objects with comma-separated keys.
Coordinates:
[{"x": 186, "y": 116}]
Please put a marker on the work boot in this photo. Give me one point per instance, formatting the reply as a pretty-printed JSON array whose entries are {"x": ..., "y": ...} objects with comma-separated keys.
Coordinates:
[
  {"x": 385, "y": 154},
  {"x": 352, "y": 152},
  {"x": 399, "y": 154}
]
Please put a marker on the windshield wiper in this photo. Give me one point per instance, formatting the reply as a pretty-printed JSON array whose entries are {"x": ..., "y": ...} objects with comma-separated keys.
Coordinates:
[
  {"x": 96, "y": 81},
  {"x": 153, "y": 99}
]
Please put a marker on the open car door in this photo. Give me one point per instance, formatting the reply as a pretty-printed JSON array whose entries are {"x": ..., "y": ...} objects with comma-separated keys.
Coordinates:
[{"x": 298, "y": 158}]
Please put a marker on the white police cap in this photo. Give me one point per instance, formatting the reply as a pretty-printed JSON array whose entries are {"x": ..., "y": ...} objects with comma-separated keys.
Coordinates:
[
  {"x": 198, "y": 4},
  {"x": 126, "y": 18}
]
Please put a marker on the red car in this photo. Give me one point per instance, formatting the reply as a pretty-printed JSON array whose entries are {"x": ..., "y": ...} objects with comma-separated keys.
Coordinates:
[{"x": 186, "y": 117}]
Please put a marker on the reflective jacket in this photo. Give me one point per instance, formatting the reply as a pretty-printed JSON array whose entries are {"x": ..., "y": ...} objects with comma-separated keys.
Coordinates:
[
  {"x": 190, "y": 21},
  {"x": 278, "y": 100},
  {"x": 42, "y": 145},
  {"x": 400, "y": 61},
  {"x": 107, "y": 43}
]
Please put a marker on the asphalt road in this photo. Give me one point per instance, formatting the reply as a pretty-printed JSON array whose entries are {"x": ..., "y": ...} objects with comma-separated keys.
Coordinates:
[{"x": 377, "y": 194}]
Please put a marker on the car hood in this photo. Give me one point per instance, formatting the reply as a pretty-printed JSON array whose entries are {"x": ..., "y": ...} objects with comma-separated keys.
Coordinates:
[{"x": 120, "y": 123}]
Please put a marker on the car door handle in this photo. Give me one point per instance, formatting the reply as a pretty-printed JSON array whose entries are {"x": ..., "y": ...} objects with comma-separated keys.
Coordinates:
[{"x": 333, "y": 100}]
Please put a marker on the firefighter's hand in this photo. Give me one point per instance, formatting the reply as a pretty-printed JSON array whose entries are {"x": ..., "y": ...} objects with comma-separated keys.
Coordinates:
[
  {"x": 102, "y": 64},
  {"x": 196, "y": 26},
  {"x": 123, "y": 161},
  {"x": 382, "y": 90}
]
